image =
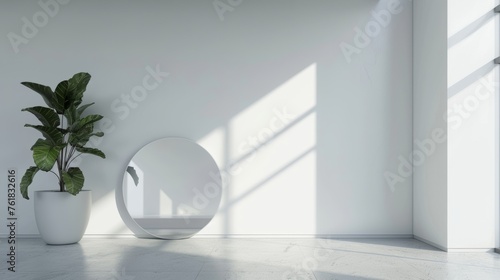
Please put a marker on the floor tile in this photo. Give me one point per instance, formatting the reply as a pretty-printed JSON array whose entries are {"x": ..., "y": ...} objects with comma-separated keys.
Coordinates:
[{"x": 199, "y": 258}]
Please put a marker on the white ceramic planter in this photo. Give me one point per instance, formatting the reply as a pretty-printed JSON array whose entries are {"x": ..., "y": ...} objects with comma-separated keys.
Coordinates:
[{"x": 62, "y": 218}]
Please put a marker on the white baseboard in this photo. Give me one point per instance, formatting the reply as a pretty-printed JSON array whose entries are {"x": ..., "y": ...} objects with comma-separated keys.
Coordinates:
[
  {"x": 103, "y": 236},
  {"x": 20, "y": 236},
  {"x": 455, "y": 250},
  {"x": 470, "y": 250},
  {"x": 292, "y": 236},
  {"x": 307, "y": 236},
  {"x": 249, "y": 236},
  {"x": 430, "y": 243},
  {"x": 281, "y": 236}
]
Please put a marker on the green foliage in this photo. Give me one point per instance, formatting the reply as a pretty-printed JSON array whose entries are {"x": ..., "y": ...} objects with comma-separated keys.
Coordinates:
[
  {"x": 65, "y": 130},
  {"x": 73, "y": 178},
  {"x": 45, "y": 154},
  {"x": 27, "y": 179}
]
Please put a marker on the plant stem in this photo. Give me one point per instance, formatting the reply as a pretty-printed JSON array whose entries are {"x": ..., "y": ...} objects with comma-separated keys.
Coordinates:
[
  {"x": 55, "y": 174},
  {"x": 61, "y": 165},
  {"x": 74, "y": 158},
  {"x": 69, "y": 157}
]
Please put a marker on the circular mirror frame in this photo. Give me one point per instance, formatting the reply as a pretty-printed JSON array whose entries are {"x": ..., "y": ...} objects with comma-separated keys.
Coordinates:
[{"x": 209, "y": 190}]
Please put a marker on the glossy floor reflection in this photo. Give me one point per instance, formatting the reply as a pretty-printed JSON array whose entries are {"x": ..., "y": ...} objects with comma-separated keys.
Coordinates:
[{"x": 199, "y": 258}]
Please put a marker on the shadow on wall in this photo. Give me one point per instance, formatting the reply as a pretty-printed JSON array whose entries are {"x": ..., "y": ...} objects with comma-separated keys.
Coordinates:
[
  {"x": 472, "y": 119},
  {"x": 301, "y": 130},
  {"x": 463, "y": 36},
  {"x": 304, "y": 106}
]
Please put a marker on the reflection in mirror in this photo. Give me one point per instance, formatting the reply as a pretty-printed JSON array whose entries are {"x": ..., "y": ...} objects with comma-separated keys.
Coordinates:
[
  {"x": 131, "y": 171},
  {"x": 171, "y": 188}
]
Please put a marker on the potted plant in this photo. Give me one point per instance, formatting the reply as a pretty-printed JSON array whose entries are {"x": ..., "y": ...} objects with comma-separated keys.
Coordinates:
[{"x": 62, "y": 215}]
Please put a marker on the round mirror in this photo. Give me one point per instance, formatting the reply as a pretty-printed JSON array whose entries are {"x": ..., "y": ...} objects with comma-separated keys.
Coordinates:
[{"x": 172, "y": 188}]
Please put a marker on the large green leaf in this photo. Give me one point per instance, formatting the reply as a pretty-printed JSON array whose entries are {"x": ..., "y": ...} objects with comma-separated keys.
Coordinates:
[
  {"x": 61, "y": 100},
  {"x": 44, "y": 91},
  {"x": 88, "y": 120},
  {"x": 77, "y": 86},
  {"x": 73, "y": 180},
  {"x": 47, "y": 116},
  {"x": 27, "y": 180},
  {"x": 71, "y": 115},
  {"x": 83, "y": 136},
  {"x": 92, "y": 151},
  {"x": 52, "y": 134},
  {"x": 82, "y": 108},
  {"x": 45, "y": 154}
]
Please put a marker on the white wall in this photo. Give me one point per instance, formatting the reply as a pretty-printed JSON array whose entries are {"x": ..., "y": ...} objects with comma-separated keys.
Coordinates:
[
  {"x": 429, "y": 126},
  {"x": 455, "y": 91},
  {"x": 231, "y": 79},
  {"x": 472, "y": 124}
]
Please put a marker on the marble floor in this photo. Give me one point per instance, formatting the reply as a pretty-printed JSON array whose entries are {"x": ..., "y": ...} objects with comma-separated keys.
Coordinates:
[{"x": 199, "y": 258}]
